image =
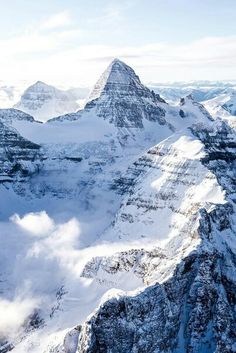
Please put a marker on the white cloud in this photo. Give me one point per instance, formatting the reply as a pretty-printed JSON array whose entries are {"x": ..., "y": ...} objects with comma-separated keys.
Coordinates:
[
  {"x": 14, "y": 313},
  {"x": 36, "y": 268},
  {"x": 59, "y": 57},
  {"x": 35, "y": 223},
  {"x": 57, "y": 20},
  {"x": 58, "y": 243}
]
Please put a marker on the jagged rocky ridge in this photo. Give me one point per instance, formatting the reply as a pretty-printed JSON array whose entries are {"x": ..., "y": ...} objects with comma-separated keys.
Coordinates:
[{"x": 8, "y": 116}]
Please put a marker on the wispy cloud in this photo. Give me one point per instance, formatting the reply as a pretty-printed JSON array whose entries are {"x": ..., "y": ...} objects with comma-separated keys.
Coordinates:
[
  {"x": 57, "y": 20},
  {"x": 60, "y": 56},
  {"x": 35, "y": 223}
]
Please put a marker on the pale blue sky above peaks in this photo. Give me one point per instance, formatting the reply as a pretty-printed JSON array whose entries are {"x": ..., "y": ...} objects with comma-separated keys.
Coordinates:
[{"x": 70, "y": 42}]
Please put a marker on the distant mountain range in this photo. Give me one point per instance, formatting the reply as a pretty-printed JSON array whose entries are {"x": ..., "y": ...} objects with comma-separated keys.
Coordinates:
[
  {"x": 45, "y": 101},
  {"x": 41, "y": 100}
]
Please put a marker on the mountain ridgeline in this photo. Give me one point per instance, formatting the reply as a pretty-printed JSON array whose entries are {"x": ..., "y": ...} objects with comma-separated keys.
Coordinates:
[{"x": 134, "y": 248}]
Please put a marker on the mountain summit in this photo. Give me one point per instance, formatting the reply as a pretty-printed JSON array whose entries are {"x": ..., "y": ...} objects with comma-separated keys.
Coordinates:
[
  {"x": 120, "y": 78},
  {"x": 120, "y": 96},
  {"x": 117, "y": 77}
]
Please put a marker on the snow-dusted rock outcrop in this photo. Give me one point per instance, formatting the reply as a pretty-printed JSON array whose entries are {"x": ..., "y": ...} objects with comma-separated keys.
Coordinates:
[{"x": 142, "y": 263}]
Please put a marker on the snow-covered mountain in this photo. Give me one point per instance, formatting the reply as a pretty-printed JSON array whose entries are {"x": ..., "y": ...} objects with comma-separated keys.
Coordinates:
[
  {"x": 122, "y": 226},
  {"x": 200, "y": 90},
  {"x": 222, "y": 105},
  {"x": 122, "y": 99},
  {"x": 44, "y": 101}
]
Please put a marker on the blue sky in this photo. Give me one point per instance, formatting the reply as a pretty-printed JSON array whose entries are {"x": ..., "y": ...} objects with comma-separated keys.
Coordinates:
[{"x": 71, "y": 42}]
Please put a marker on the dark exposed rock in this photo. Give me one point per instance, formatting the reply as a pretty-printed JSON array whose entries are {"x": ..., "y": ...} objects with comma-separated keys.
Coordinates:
[
  {"x": 182, "y": 113},
  {"x": 6, "y": 347},
  {"x": 18, "y": 156}
]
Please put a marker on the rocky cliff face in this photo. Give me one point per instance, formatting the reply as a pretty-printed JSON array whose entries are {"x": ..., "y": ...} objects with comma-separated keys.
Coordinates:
[{"x": 19, "y": 158}]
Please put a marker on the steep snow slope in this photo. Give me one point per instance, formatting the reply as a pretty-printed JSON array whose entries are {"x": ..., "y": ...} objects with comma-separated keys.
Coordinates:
[
  {"x": 140, "y": 196},
  {"x": 43, "y": 101}
]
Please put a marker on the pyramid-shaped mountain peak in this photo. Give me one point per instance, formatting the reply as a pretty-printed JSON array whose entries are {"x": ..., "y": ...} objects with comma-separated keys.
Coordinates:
[
  {"x": 120, "y": 97},
  {"x": 118, "y": 77},
  {"x": 39, "y": 83}
]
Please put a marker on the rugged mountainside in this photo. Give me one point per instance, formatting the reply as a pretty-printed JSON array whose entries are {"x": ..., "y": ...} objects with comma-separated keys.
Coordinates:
[
  {"x": 19, "y": 158},
  {"x": 138, "y": 253},
  {"x": 8, "y": 116},
  {"x": 43, "y": 101},
  {"x": 194, "y": 309}
]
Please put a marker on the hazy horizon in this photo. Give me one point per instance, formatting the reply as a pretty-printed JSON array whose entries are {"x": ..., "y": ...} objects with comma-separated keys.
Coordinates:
[{"x": 72, "y": 43}]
